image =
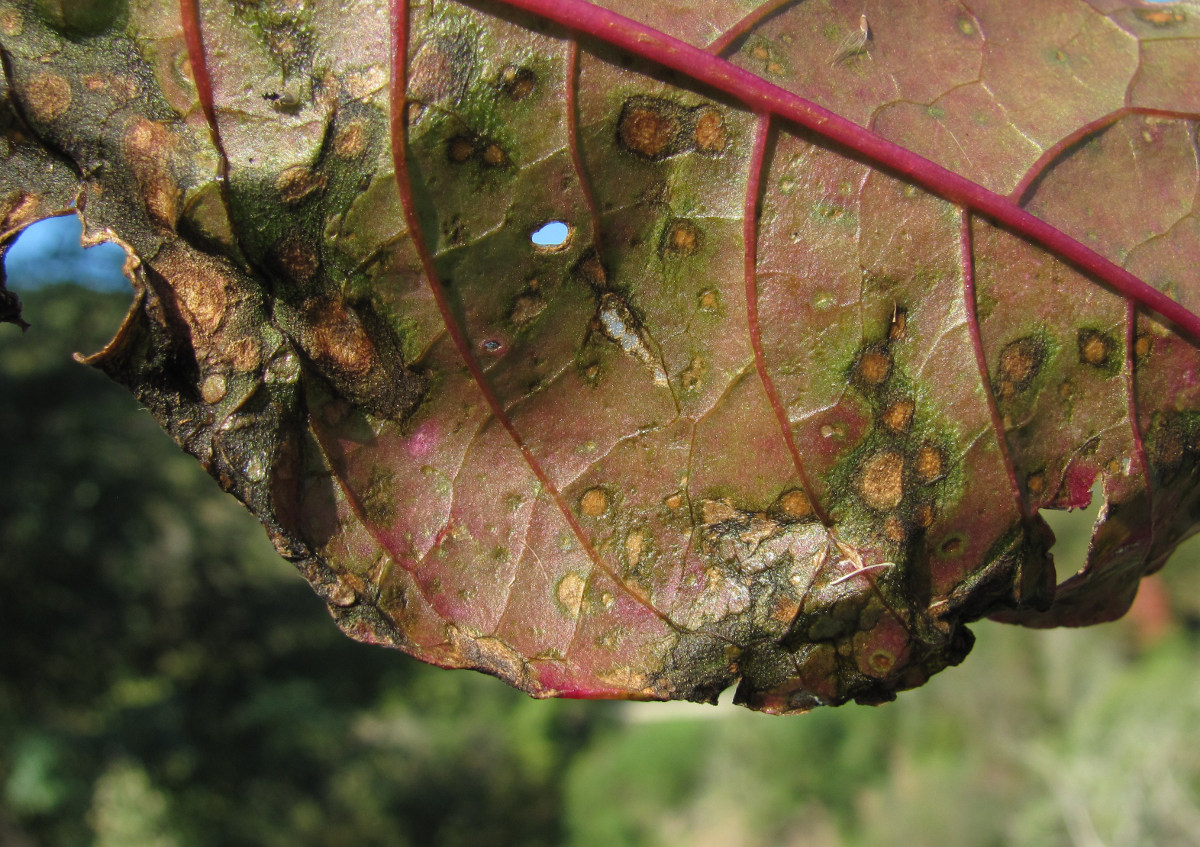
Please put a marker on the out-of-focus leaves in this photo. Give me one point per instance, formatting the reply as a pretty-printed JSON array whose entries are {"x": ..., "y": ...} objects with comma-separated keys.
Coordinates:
[{"x": 770, "y": 415}]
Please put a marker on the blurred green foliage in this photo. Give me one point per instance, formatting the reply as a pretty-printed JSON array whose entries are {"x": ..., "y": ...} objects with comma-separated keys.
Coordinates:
[{"x": 166, "y": 680}]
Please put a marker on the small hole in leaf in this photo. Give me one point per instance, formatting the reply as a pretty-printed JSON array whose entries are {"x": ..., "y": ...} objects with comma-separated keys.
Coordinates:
[{"x": 551, "y": 236}]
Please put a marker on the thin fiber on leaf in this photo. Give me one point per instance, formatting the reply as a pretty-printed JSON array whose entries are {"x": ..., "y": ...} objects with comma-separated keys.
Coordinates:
[{"x": 842, "y": 296}]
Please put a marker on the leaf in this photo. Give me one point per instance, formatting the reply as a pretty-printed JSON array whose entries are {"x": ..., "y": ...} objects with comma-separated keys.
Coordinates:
[{"x": 848, "y": 294}]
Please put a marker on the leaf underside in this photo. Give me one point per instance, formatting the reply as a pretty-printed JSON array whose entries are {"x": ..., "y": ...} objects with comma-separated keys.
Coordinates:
[{"x": 779, "y": 411}]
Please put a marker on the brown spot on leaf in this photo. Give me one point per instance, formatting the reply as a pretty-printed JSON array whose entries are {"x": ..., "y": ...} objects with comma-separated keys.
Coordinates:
[
  {"x": 881, "y": 482},
  {"x": 924, "y": 515},
  {"x": 1143, "y": 346},
  {"x": 148, "y": 145},
  {"x": 894, "y": 530},
  {"x": 590, "y": 270},
  {"x": 493, "y": 155},
  {"x": 898, "y": 416},
  {"x": 297, "y": 258},
  {"x": 651, "y": 127},
  {"x": 873, "y": 368},
  {"x": 570, "y": 592},
  {"x": 526, "y": 307},
  {"x": 517, "y": 83},
  {"x": 336, "y": 337},
  {"x": 350, "y": 141},
  {"x": 1020, "y": 362},
  {"x": 635, "y": 544},
  {"x": 691, "y": 377},
  {"x": 674, "y": 501},
  {"x": 952, "y": 546},
  {"x": 709, "y": 300},
  {"x": 680, "y": 239},
  {"x": 795, "y": 504},
  {"x": 47, "y": 96},
  {"x": 594, "y": 502},
  {"x": 1095, "y": 348},
  {"x": 298, "y": 182},
  {"x": 1035, "y": 483},
  {"x": 460, "y": 149},
  {"x": 213, "y": 389},
  {"x": 202, "y": 284},
  {"x": 710, "y": 136},
  {"x": 928, "y": 464},
  {"x": 713, "y": 512}
]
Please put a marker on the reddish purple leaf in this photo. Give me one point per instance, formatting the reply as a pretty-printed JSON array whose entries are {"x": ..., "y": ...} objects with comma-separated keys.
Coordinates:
[{"x": 847, "y": 295}]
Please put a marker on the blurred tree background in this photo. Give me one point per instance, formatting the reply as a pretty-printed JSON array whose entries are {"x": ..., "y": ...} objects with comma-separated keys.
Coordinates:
[{"x": 166, "y": 680}]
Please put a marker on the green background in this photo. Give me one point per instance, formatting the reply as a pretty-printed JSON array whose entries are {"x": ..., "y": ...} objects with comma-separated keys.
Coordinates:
[{"x": 166, "y": 679}]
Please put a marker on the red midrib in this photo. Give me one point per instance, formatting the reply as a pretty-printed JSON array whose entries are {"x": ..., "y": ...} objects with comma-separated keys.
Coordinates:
[{"x": 760, "y": 96}]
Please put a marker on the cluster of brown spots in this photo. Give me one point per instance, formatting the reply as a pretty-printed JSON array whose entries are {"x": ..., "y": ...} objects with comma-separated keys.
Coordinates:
[
  {"x": 762, "y": 51},
  {"x": 929, "y": 465},
  {"x": 517, "y": 83},
  {"x": 461, "y": 149},
  {"x": 1095, "y": 348},
  {"x": 1161, "y": 18},
  {"x": 335, "y": 336},
  {"x": 297, "y": 182},
  {"x": 297, "y": 258},
  {"x": 881, "y": 481},
  {"x": 655, "y": 128},
  {"x": 350, "y": 141},
  {"x": 47, "y": 96},
  {"x": 709, "y": 134},
  {"x": 898, "y": 416},
  {"x": 1020, "y": 363},
  {"x": 594, "y": 502},
  {"x": 680, "y": 239},
  {"x": 693, "y": 375},
  {"x": 873, "y": 367},
  {"x": 794, "y": 504}
]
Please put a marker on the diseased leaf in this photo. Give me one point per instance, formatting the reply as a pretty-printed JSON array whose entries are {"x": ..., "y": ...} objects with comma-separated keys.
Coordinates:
[{"x": 781, "y": 406}]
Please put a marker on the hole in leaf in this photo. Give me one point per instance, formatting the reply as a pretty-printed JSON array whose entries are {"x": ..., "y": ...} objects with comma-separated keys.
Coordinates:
[
  {"x": 552, "y": 236},
  {"x": 1073, "y": 533},
  {"x": 49, "y": 253}
]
